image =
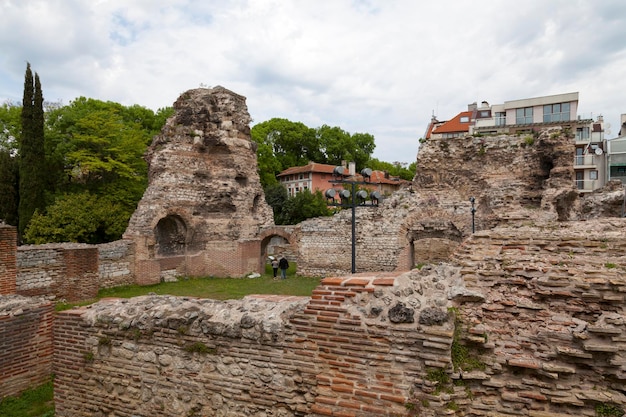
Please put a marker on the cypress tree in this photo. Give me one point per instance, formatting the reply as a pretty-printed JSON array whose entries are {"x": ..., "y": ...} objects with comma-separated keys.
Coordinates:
[{"x": 32, "y": 175}]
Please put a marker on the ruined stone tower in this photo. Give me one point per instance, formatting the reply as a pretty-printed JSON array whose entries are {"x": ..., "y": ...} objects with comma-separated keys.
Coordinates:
[{"x": 204, "y": 204}]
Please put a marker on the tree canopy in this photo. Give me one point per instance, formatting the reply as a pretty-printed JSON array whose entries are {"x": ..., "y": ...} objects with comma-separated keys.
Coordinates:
[
  {"x": 283, "y": 144},
  {"x": 91, "y": 156}
]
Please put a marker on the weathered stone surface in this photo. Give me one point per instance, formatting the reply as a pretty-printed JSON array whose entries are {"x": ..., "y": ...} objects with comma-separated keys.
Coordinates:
[
  {"x": 433, "y": 316},
  {"x": 204, "y": 188}
]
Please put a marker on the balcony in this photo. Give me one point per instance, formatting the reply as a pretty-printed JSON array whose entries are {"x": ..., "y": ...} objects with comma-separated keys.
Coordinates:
[
  {"x": 584, "y": 161},
  {"x": 585, "y": 186}
]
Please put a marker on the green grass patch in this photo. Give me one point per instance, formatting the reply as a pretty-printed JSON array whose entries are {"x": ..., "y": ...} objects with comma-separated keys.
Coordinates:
[
  {"x": 35, "y": 402},
  {"x": 214, "y": 288}
]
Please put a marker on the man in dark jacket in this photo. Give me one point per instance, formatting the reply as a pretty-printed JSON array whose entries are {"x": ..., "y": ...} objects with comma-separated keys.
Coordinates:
[{"x": 283, "y": 264}]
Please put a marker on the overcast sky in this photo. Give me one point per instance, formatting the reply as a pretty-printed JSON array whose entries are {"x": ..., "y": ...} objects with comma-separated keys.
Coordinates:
[{"x": 376, "y": 66}]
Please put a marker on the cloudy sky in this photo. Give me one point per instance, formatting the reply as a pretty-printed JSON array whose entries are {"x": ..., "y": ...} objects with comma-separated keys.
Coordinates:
[{"x": 376, "y": 66}]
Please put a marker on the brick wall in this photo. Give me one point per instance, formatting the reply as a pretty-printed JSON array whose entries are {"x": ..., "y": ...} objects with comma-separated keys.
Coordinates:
[
  {"x": 25, "y": 343},
  {"x": 8, "y": 266},
  {"x": 64, "y": 271},
  {"x": 529, "y": 321}
]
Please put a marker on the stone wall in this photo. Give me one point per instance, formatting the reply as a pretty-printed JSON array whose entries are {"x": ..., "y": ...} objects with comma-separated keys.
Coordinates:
[
  {"x": 527, "y": 321},
  {"x": 62, "y": 271},
  {"x": 73, "y": 272},
  {"x": 116, "y": 263},
  {"x": 549, "y": 336},
  {"x": 204, "y": 202},
  {"x": 25, "y": 343}
]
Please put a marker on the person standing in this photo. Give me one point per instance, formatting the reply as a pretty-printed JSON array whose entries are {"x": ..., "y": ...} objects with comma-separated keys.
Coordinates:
[
  {"x": 275, "y": 266},
  {"x": 283, "y": 264}
]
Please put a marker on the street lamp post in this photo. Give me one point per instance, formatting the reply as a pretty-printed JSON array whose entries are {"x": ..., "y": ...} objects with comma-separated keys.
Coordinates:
[{"x": 352, "y": 199}]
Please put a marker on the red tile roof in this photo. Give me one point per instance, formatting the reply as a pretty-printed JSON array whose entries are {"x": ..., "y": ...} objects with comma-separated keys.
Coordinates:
[
  {"x": 378, "y": 177},
  {"x": 310, "y": 167},
  {"x": 455, "y": 125}
]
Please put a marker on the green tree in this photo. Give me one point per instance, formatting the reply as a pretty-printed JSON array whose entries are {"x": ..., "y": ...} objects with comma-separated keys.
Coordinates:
[
  {"x": 395, "y": 169},
  {"x": 283, "y": 144},
  {"x": 97, "y": 147},
  {"x": 8, "y": 187},
  {"x": 302, "y": 206},
  {"x": 80, "y": 217},
  {"x": 32, "y": 167},
  {"x": 276, "y": 196},
  {"x": 10, "y": 127},
  {"x": 339, "y": 145}
]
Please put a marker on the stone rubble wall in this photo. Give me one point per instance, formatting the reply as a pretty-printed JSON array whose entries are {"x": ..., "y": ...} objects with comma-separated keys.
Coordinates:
[
  {"x": 525, "y": 321},
  {"x": 73, "y": 272},
  {"x": 116, "y": 263},
  {"x": 204, "y": 188},
  {"x": 543, "y": 322},
  {"x": 25, "y": 343}
]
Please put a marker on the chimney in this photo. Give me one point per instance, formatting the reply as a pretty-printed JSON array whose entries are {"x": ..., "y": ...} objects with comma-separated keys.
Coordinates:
[{"x": 352, "y": 168}]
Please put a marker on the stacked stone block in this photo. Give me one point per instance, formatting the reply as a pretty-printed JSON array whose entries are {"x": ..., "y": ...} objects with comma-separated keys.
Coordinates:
[
  {"x": 63, "y": 271},
  {"x": 551, "y": 330}
]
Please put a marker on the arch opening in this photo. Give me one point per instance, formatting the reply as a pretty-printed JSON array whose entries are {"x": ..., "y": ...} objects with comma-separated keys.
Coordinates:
[{"x": 171, "y": 232}]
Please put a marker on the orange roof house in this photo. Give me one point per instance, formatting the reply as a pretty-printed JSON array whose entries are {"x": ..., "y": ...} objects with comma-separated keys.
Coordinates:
[
  {"x": 459, "y": 125},
  {"x": 315, "y": 176}
]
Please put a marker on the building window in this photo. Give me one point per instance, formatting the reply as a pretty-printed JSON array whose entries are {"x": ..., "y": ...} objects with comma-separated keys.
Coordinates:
[
  {"x": 556, "y": 112},
  {"x": 484, "y": 113},
  {"x": 593, "y": 175},
  {"x": 451, "y": 135},
  {"x": 582, "y": 133},
  {"x": 500, "y": 118},
  {"x": 464, "y": 119},
  {"x": 301, "y": 176},
  {"x": 524, "y": 116}
]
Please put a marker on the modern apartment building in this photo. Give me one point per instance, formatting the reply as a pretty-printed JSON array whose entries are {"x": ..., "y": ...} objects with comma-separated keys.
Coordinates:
[
  {"x": 531, "y": 115},
  {"x": 616, "y": 154}
]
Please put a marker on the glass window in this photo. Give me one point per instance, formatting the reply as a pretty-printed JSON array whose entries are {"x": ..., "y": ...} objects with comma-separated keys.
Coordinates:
[
  {"x": 464, "y": 119},
  {"x": 524, "y": 116},
  {"x": 593, "y": 175},
  {"x": 582, "y": 133},
  {"x": 558, "y": 112},
  {"x": 500, "y": 118}
]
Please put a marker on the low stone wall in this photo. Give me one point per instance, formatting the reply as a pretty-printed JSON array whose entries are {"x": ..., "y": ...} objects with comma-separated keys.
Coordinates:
[
  {"x": 116, "y": 263},
  {"x": 528, "y": 321},
  {"x": 71, "y": 271},
  {"x": 25, "y": 343},
  {"x": 62, "y": 271},
  {"x": 353, "y": 348}
]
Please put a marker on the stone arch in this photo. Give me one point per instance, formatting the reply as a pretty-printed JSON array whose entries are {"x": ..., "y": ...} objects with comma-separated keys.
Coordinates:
[
  {"x": 171, "y": 235},
  {"x": 277, "y": 241},
  {"x": 431, "y": 241}
]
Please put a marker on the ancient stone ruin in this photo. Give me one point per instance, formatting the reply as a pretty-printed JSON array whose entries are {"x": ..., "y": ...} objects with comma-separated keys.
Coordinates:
[
  {"x": 204, "y": 205},
  {"x": 524, "y": 317}
]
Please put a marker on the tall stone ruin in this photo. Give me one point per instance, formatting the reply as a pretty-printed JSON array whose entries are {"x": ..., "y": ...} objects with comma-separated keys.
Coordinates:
[{"x": 204, "y": 204}]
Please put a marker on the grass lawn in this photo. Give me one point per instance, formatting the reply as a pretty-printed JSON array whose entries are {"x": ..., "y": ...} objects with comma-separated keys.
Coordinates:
[
  {"x": 36, "y": 402},
  {"x": 215, "y": 288}
]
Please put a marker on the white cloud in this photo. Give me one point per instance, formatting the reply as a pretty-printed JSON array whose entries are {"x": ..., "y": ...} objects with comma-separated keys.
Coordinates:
[{"x": 376, "y": 66}]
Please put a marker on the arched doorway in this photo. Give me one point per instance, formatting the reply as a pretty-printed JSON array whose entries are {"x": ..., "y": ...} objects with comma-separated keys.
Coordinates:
[{"x": 171, "y": 233}]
